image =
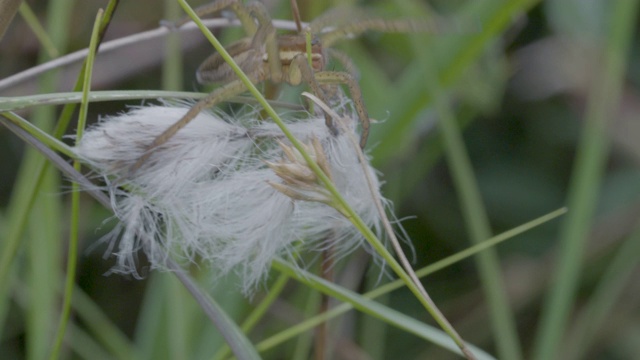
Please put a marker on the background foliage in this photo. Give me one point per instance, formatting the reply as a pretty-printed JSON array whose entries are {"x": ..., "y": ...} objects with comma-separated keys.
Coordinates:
[{"x": 541, "y": 90}]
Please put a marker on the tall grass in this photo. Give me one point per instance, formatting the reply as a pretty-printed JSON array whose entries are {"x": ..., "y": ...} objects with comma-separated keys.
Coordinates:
[{"x": 473, "y": 137}]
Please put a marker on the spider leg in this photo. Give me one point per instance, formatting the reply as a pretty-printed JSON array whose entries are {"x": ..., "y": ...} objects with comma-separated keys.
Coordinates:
[
  {"x": 349, "y": 22},
  {"x": 215, "y": 69},
  {"x": 337, "y": 77},
  {"x": 266, "y": 35},
  {"x": 217, "y": 96},
  {"x": 238, "y": 8},
  {"x": 247, "y": 53},
  {"x": 345, "y": 61},
  {"x": 300, "y": 64}
]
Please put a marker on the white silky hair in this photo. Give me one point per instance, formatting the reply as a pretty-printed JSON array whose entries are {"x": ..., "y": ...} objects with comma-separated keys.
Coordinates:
[{"x": 205, "y": 195}]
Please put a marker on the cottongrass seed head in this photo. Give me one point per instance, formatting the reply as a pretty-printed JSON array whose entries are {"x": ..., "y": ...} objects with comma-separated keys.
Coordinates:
[{"x": 215, "y": 192}]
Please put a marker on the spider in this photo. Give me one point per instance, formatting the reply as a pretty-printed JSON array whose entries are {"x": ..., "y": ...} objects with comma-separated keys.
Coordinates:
[{"x": 264, "y": 55}]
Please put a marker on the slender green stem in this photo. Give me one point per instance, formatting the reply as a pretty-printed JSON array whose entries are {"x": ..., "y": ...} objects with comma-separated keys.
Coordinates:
[
  {"x": 177, "y": 318},
  {"x": 71, "y": 98},
  {"x": 42, "y": 136},
  {"x": 30, "y": 182},
  {"x": 475, "y": 215},
  {"x": 258, "y": 312},
  {"x": 44, "y": 248},
  {"x": 8, "y": 9},
  {"x": 397, "y": 284},
  {"x": 341, "y": 203},
  {"x": 372, "y": 308},
  {"x": 72, "y": 256},
  {"x": 42, "y": 35},
  {"x": 612, "y": 284},
  {"x": 497, "y": 16}
]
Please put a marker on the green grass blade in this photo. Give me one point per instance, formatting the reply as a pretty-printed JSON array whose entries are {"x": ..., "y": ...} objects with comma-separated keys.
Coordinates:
[
  {"x": 475, "y": 216},
  {"x": 177, "y": 322},
  {"x": 44, "y": 248},
  {"x": 8, "y": 9},
  {"x": 150, "y": 323},
  {"x": 68, "y": 109},
  {"x": 44, "y": 138},
  {"x": 72, "y": 256},
  {"x": 340, "y": 204},
  {"x": 493, "y": 16},
  {"x": 613, "y": 282},
  {"x": 258, "y": 312},
  {"x": 31, "y": 176},
  {"x": 241, "y": 346},
  {"x": 85, "y": 346},
  {"x": 397, "y": 284},
  {"x": 28, "y": 101},
  {"x": 591, "y": 155},
  {"x": 39, "y": 31},
  {"x": 101, "y": 327},
  {"x": 372, "y": 308}
]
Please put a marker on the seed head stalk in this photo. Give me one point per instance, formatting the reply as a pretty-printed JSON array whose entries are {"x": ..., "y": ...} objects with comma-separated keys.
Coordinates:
[{"x": 340, "y": 203}]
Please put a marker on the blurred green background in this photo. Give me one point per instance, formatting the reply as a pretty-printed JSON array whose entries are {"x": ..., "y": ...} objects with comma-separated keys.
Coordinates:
[{"x": 521, "y": 81}]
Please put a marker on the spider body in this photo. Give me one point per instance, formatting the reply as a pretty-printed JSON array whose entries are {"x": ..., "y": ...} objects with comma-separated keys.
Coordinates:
[
  {"x": 255, "y": 62},
  {"x": 264, "y": 55}
]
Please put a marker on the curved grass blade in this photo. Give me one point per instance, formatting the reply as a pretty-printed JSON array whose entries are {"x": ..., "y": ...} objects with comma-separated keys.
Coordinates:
[
  {"x": 391, "y": 316},
  {"x": 397, "y": 284}
]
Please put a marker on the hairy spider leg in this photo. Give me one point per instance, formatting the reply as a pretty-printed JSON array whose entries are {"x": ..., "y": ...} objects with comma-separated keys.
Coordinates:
[{"x": 217, "y": 96}]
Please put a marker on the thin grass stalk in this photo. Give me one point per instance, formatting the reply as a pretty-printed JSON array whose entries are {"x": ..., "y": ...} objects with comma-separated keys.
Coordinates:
[
  {"x": 258, "y": 312},
  {"x": 150, "y": 323},
  {"x": 44, "y": 138},
  {"x": 177, "y": 319},
  {"x": 101, "y": 327},
  {"x": 322, "y": 341},
  {"x": 341, "y": 205},
  {"x": 8, "y": 9},
  {"x": 68, "y": 109},
  {"x": 105, "y": 334},
  {"x": 55, "y": 159},
  {"x": 304, "y": 341},
  {"x": 63, "y": 98},
  {"x": 72, "y": 256},
  {"x": 279, "y": 338},
  {"x": 44, "y": 247},
  {"x": 613, "y": 282},
  {"x": 393, "y": 240},
  {"x": 39, "y": 31},
  {"x": 241, "y": 346},
  {"x": 29, "y": 183},
  {"x": 60, "y": 163},
  {"x": 172, "y": 65},
  {"x": 175, "y": 298},
  {"x": 389, "y": 315},
  {"x": 85, "y": 346},
  {"x": 132, "y": 40},
  {"x": 372, "y": 333},
  {"x": 496, "y": 16},
  {"x": 96, "y": 323},
  {"x": 475, "y": 216},
  {"x": 592, "y": 152},
  {"x": 478, "y": 228}
]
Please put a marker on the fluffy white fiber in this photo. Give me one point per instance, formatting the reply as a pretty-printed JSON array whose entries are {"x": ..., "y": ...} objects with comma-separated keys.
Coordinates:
[{"x": 205, "y": 195}]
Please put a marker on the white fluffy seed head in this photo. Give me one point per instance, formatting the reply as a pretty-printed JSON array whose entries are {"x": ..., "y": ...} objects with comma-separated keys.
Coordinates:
[{"x": 205, "y": 195}]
